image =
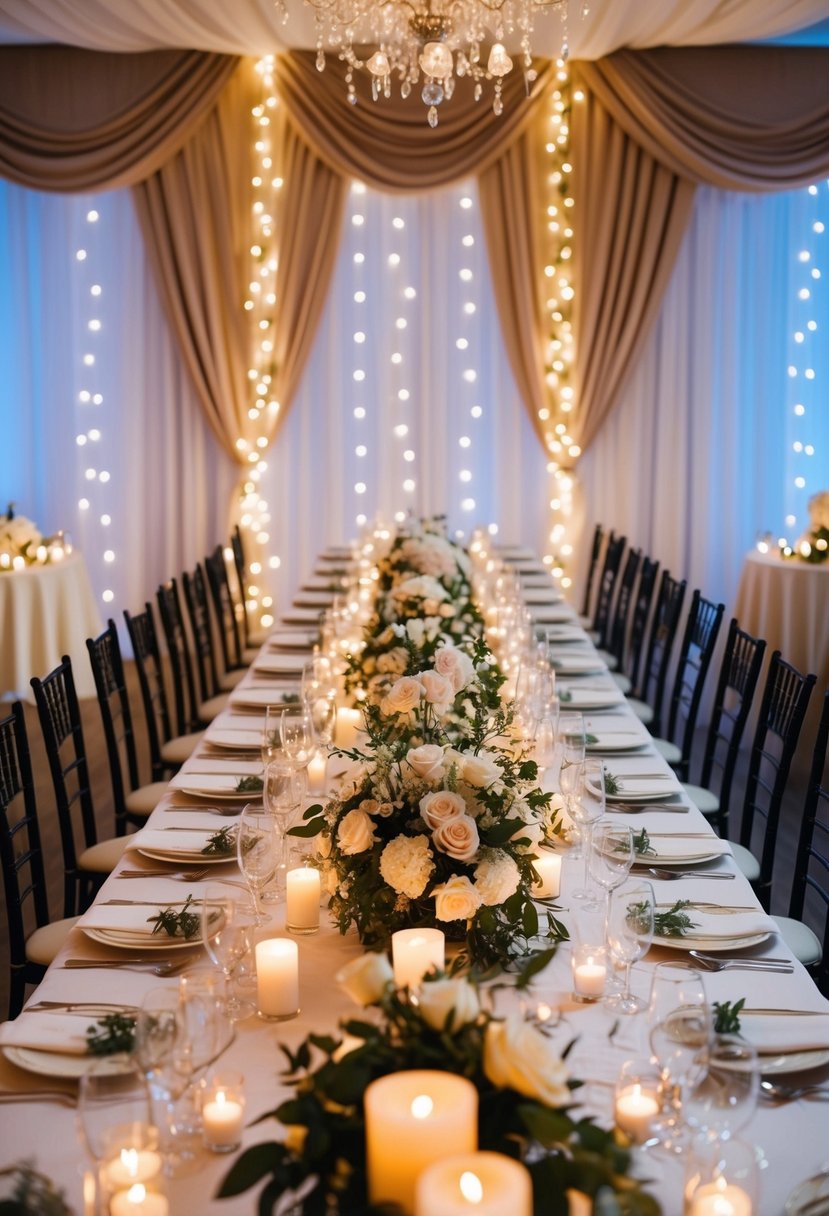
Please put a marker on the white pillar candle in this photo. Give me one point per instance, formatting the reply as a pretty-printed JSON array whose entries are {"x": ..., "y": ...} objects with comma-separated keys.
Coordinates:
[
  {"x": 277, "y": 978},
  {"x": 223, "y": 1117},
  {"x": 349, "y": 722},
  {"x": 317, "y": 772},
  {"x": 488, "y": 1184},
  {"x": 414, "y": 952},
  {"x": 579, "y": 1204},
  {"x": 130, "y": 1166},
  {"x": 413, "y": 1119},
  {"x": 548, "y": 867},
  {"x": 304, "y": 892},
  {"x": 138, "y": 1201},
  {"x": 635, "y": 1110},
  {"x": 589, "y": 972},
  {"x": 720, "y": 1199}
]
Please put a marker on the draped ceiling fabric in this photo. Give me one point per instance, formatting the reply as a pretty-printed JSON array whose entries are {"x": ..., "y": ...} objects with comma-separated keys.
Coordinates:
[{"x": 653, "y": 124}]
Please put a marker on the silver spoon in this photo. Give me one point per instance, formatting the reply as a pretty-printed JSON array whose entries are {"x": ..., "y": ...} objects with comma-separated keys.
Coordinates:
[{"x": 772, "y": 1091}]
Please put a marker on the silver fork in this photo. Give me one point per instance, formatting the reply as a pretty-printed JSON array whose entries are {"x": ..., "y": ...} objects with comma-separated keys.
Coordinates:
[
  {"x": 162, "y": 969},
  {"x": 664, "y": 873},
  {"x": 59, "y": 1096},
  {"x": 177, "y": 875},
  {"x": 711, "y": 963}
]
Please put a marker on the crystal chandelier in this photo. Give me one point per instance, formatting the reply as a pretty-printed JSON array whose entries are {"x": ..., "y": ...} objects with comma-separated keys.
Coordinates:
[{"x": 436, "y": 40}]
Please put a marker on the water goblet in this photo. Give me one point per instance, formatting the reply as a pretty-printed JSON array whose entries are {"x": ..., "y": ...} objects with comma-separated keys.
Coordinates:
[
  {"x": 724, "y": 1100},
  {"x": 226, "y": 936},
  {"x": 629, "y": 934},
  {"x": 256, "y": 852}
]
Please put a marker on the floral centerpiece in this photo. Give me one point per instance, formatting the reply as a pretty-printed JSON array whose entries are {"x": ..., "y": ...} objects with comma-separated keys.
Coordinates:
[
  {"x": 813, "y": 545},
  {"x": 23, "y": 544},
  {"x": 526, "y": 1101},
  {"x": 439, "y": 816}
]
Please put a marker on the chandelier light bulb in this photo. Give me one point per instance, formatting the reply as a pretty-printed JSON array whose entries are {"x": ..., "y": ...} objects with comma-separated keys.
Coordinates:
[
  {"x": 499, "y": 63},
  {"x": 378, "y": 64},
  {"x": 436, "y": 60}
]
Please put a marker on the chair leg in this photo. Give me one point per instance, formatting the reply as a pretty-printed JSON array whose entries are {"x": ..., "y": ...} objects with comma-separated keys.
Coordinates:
[{"x": 17, "y": 991}]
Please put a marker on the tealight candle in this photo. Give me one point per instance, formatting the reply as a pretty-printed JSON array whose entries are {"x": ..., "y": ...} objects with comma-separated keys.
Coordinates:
[
  {"x": 223, "y": 1113},
  {"x": 349, "y": 722},
  {"x": 138, "y": 1201},
  {"x": 589, "y": 972},
  {"x": 414, "y": 952},
  {"x": 635, "y": 1110},
  {"x": 489, "y": 1184},
  {"x": 548, "y": 867},
  {"x": 413, "y": 1119},
  {"x": 303, "y": 915},
  {"x": 720, "y": 1199},
  {"x": 277, "y": 978},
  {"x": 317, "y": 772},
  {"x": 130, "y": 1166},
  {"x": 18, "y": 562}
]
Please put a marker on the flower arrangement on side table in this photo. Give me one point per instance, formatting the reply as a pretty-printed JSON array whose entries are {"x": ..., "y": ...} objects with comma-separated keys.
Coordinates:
[
  {"x": 526, "y": 1104},
  {"x": 22, "y": 544}
]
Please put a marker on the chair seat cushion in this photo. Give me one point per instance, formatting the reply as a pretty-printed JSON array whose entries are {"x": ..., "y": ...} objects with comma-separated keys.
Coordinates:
[
  {"x": 800, "y": 939},
  {"x": 179, "y": 749},
  {"x": 706, "y": 800},
  {"x": 610, "y": 661},
  {"x": 642, "y": 710},
  {"x": 249, "y": 653},
  {"x": 209, "y": 709},
  {"x": 230, "y": 679},
  {"x": 257, "y": 636},
  {"x": 103, "y": 857},
  {"x": 43, "y": 945},
  {"x": 746, "y": 861},
  {"x": 621, "y": 681},
  {"x": 146, "y": 798},
  {"x": 668, "y": 750}
]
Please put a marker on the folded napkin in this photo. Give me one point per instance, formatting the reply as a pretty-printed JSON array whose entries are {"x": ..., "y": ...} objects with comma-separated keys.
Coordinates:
[
  {"x": 296, "y": 639},
  {"x": 232, "y": 736},
  {"x": 661, "y": 785},
  {"x": 205, "y": 765},
  {"x": 304, "y": 599},
  {"x": 132, "y": 918},
  {"x": 674, "y": 848},
  {"x": 581, "y": 664},
  {"x": 561, "y": 634},
  {"x": 281, "y": 662},
  {"x": 551, "y": 613},
  {"x": 591, "y": 698},
  {"x": 771, "y": 1033},
  {"x": 261, "y": 698},
  {"x": 55, "y": 1031},
  {"x": 224, "y": 781},
  {"x": 301, "y": 616},
  {"x": 727, "y": 924},
  {"x": 170, "y": 842}
]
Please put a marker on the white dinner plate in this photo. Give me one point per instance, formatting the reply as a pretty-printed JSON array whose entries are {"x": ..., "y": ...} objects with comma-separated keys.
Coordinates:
[
  {"x": 792, "y": 1061},
  {"x": 298, "y": 639},
  {"x": 212, "y": 785},
  {"x": 55, "y": 1064},
  {"x": 187, "y": 858},
  {"x": 564, "y": 635},
  {"x": 672, "y": 859},
  {"x": 235, "y": 740},
  {"x": 711, "y": 945},
  {"x": 301, "y": 616},
  {"x": 142, "y": 941},
  {"x": 314, "y": 599},
  {"x": 551, "y": 613}
]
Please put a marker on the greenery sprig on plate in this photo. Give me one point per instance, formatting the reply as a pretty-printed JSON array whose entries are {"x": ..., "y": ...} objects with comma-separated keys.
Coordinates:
[
  {"x": 727, "y": 1016},
  {"x": 221, "y": 843},
  {"x": 250, "y": 785},
  {"x": 111, "y": 1034},
  {"x": 177, "y": 923},
  {"x": 642, "y": 846},
  {"x": 675, "y": 922}
]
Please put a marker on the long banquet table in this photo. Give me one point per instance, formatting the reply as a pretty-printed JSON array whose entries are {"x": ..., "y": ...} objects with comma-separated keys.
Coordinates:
[{"x": 792, "y": 1139}]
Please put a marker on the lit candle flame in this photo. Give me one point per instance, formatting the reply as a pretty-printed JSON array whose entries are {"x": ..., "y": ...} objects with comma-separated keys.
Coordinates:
[
  {"x": 471, "y": 1188},
  {"x": 137, "y": 1193},
  {"x": 422, "y": 1106},
  {"x": 129, "y": 1160}
]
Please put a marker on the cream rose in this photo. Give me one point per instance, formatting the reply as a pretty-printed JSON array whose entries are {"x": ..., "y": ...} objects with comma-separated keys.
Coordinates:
[
  {"x": 518, "y": 1056},
  {"x": 355, "y": 833},
  {"x": 481, "y": 770},
  {"x": 365, "y": 978},
  {"x": 393, "y": 662},
  {"x": 403, "y": 696},
  {"x": 458, "y": 838},
  {"x": 427, "y": 761},
  {"x": 406, "y": 865},
  {"x": 441, "y": 806},
  {"x": 437, "y": 999},
  {"x": 456, "y": 899},
  {"x": 437, "y": 689},
  {"x": 455, "y": 665}
]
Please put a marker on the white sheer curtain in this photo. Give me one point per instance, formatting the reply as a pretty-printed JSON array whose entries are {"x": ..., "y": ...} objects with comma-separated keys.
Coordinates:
[
  {"x": 699, "y": 456},
  {"x": 407, "y": 392},
  {"x": 159, "y": 478}
]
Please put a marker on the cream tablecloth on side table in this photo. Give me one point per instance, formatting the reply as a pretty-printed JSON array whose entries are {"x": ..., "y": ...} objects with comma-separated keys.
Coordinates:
[{"x": 45, "y": 613}]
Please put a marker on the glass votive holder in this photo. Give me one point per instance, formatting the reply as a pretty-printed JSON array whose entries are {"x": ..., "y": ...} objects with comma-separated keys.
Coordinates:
[
  {"x": 131, "y": 1174},
  {"x": 721, "y": 1178},
  {"x": 589, "y": 966},
  {"x": 223, "y": 1112},
  {"x": 637, "y": 1099}
]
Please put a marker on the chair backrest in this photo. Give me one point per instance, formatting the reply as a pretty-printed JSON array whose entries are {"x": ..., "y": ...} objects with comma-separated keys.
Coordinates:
[
  {"x": 782, "y": 710},
  {"x": 736, "y": 685},
  {"x": 181, "y": 663},
  {"x": 664, "y": 625},
  {"x": 198, "y": 616},
  {"x": 60, "y": 724},
  {"x": 811, "y": 867},
  {"x": 607, "y": 583},
  {"x": 641, "y": 614},
  {"x": 618, "y": 626},
  {"x": 595, "y": 550},
  {"x": 147, "y": 655},
  {"x": 116, "y": 718},
  {"x": 24, "y": 880},
  {"x": 224, "y": 609},
  {"x": 240, "y": 565},
  {"x": 698, "y": 641}
]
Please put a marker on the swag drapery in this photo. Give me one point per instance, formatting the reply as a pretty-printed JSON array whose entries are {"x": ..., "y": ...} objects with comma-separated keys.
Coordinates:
[{"x": 173, "y": 125}]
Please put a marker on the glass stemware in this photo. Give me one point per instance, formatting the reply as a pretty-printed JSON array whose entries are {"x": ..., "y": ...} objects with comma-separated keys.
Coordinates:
[
  {"x": 296, "y": 731},
  {"x": 159, "y": 1034},
  {"x": 571, "y": 739},
  {"x": 611, "y": 856},
  {"x": 283, "y": 792},
  {"x": 271, "y": 738},
  {"x": 629, "y": 934},
  {"x": 681, "y": 1032},
  {"x": 587, "y": 809},
  {"x": 256, "y": 839},
  {"x": 113, "y": 1113},
  {"x": 723, "y": 1102},
  {"x": 226, "y": 937}
]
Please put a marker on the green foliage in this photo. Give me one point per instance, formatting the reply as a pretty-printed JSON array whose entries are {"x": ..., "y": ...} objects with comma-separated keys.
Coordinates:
[
  {"x": 675, "y": 922},
  {"x": 250, "y": 785},
  {"x": 727, "y": 1016},
  {"x": 221, "y": 843},
  {"x": 181, "y": 923},
  {"x": 111, "y": 1034}
]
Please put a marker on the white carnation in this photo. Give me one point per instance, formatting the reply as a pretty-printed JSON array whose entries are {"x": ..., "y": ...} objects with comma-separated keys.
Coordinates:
[
  {"x": 406, "y": 864},
  {"x": 496, "y": 878}
]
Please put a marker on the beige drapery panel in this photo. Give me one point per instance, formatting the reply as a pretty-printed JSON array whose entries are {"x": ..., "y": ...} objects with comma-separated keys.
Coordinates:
[{"x": 653, "y": 124}]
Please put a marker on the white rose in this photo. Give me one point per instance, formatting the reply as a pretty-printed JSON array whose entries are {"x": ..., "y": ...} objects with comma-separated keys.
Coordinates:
[
  {"x": 518, "y": 1056},
  {"x": 427, "y": 761},
  {"x": 403, "y": 696},
  {"x": 365, "y": 978},
  {"x": 416, "y": 629},
  {"x": 438, "y": 998},
  {"x": 441, "y": 806},
  {"x": 458, "y": 838},
  {"x": 355, "y": 833},
  {"x": 438, "y": 690},
  {"x": 406, "y": 865},
  {"x": 455, "y": 665},
  {"x": 456, "y": 899},
  {"x": 393, "y": 661},
  {"x": 447, "y": 610},
  {"x": 496, "y": 879},
  {"x": 481, "y": 770}
]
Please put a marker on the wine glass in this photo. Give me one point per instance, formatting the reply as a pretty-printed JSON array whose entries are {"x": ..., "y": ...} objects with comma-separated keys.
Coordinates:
[
  {"x": 680, "y": 1035},
  {"x": 158, "y": 1035},
  {"x": 226, "y": 936},
  {"x": 571, "y": 739},
  {"x": 587, "y": 809},
  {"x": 725, "y": 1099},
  {"x": 629, "y": 934},
  {"x": 283, "y": 791},
  {"x": 256, "y": 852},
  {"x": 113, "y": 1112},
  {"x": 296, "y": 731},
  {"x": 321, "y": 705},
  {"x": 271, "y": 740},
  {"x": 611, "y": 856},
  {"x": 206, "y": 1031}
]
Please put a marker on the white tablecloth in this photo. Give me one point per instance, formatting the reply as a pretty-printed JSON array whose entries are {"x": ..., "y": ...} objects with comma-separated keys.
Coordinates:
[
  {"x": 45, "y": 613},
  {"x": 787, "y": 603}
]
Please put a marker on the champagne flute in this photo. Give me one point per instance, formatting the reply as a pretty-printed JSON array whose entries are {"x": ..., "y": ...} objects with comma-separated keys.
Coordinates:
[
  {"x": 296, "y": 730},
  {"x": 256, "y": 852},
  {"x": 587, "y": 810},
  {"x": 283, "y": 792},
  {"x": 271, "y": 741},
  {"x": 226, "y": 937},
  {"x": 629, "y": 934}
]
